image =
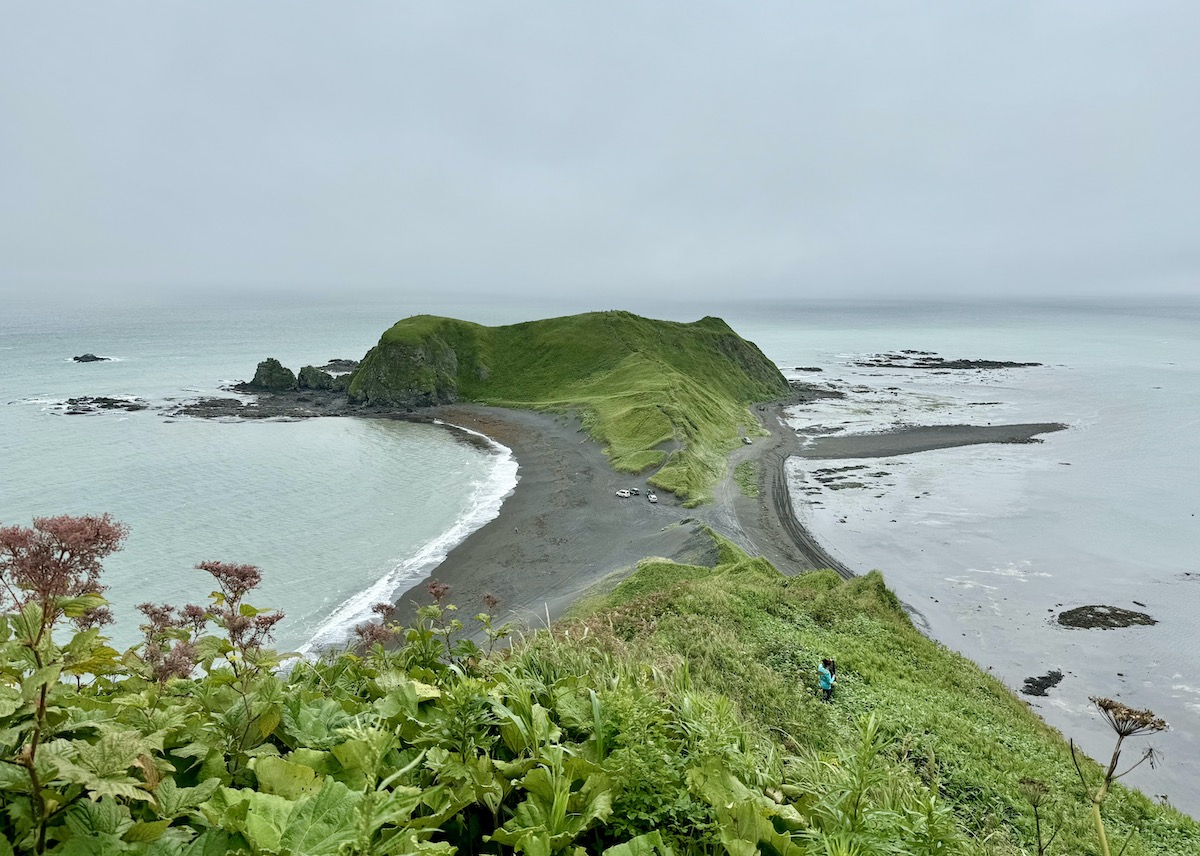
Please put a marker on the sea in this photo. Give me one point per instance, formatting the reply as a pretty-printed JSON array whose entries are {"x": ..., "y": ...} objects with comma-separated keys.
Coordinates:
[{"x": 985, "y": 544}]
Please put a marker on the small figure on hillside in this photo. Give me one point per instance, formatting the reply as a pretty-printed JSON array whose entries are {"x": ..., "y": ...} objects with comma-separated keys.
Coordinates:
[{"x": 825, "y": 673}]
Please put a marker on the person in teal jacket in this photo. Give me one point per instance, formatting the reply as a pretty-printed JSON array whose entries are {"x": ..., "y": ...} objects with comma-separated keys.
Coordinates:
[{"x": 825, "y": 675}]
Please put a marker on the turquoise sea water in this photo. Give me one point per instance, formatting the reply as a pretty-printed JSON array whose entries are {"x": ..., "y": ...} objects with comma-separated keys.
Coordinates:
[
  {"x": 338, "y": 513},
  {"x": 987, "y": 543}
]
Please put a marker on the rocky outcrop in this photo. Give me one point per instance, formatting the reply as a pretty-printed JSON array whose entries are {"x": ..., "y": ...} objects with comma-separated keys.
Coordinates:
[
  {"x": 90, "y": 358},
  {"x": 311, "y": 377},
  {"x": 909, "y": 359},
  {"x": 1103, "y": 617},
  {"x": 408, "y": 374},
  {"x": 340, "y": 366},
  {"x": 94, "y": 404},
  {"x": 272, "y": 376}
]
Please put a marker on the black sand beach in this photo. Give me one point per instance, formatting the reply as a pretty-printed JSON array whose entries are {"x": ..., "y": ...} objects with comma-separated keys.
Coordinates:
[{"x": 563, "y": 530}]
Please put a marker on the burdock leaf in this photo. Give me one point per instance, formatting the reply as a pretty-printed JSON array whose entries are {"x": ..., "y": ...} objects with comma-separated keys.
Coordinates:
[
  {"x": 283, "y": 778},
  {"x": 259, "y": 817},
  {"x": 319, "y": 826},
  {"x": 650, "y": 844}
]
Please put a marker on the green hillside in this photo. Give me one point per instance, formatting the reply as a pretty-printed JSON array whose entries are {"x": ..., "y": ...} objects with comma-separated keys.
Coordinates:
[
  {"x": 676, "y": 714},
  {"x": 658, "y": 395}
]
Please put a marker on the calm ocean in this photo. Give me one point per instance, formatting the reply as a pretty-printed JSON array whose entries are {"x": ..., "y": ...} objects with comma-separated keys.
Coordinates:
[
  {"x": 990, "y": 542},
  {"x": 987, "y": 542}
]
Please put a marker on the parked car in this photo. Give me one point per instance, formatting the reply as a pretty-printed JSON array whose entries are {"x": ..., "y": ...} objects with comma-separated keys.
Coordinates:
[
  {"x": 634, "y": 491},
  {"x": 653, "y": 497},
  {"x": 747, "y": 440},
  {"x": 624, "y": 494}
]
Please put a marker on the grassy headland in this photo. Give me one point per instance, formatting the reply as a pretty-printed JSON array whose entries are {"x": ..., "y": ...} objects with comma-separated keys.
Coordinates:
[
  {"x": 949, "y": 735},
  {"x": 657, "y": 395},
  {"x": 674, "y": 714}
]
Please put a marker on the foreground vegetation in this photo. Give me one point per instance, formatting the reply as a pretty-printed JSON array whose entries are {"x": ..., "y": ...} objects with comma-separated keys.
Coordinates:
[
  {"x": 674, "y": 714},
  {"x": 656, "y": 394}
]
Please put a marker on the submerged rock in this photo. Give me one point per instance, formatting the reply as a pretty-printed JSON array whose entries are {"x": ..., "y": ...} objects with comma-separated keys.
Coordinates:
[
  {"x": 1041, "y": 685},
  {"x": 1099, "y": 616},
  {"x": 338, "y": 366},
  {"x": 925, "y": 360},
  {"x": 90, "y": 358},
  {"x": 94, "y": 404}
]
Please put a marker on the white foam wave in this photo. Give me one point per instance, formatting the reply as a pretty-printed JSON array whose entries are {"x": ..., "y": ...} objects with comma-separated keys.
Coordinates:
[
  {"x": 487, "y": 495},
  {"x": 41, "y": 401}
]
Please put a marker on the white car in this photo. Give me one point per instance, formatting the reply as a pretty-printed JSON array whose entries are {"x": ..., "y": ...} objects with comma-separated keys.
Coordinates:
[
  {"x": 624, "y": 494},
  {"x": 653, "y": 497}
]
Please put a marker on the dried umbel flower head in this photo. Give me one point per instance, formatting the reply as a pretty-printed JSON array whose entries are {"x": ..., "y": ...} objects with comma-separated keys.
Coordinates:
[
  {"x": 1127, "y": 721},
  {"x": 1035, "y": 791}
]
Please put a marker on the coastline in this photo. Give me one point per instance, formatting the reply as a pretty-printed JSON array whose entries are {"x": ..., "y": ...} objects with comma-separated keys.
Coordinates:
[{"x": 562, "y": 530}]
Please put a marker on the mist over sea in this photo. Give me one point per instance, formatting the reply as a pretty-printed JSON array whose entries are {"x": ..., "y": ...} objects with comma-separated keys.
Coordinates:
[{"x": 986, "y": 543}]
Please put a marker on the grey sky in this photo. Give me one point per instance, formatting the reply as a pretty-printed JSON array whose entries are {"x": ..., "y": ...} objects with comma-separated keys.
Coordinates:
[{"x": 689, "y": 148}]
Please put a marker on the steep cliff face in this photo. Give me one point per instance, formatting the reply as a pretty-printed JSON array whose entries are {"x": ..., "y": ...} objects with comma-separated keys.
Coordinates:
[{"x": 410, "y": 372}]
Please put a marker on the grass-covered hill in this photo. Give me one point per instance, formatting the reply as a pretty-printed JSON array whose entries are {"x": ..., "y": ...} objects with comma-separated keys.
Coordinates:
[
  {"x": 656, "y": 394},
  {"x": 675, "y": 714}
]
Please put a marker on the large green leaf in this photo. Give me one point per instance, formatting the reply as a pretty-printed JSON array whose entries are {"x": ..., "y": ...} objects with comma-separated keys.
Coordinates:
[
  {"x": 106, "y": 816},
  {"x": 260, "y": 818},
  {"x": 41, "y": 677},
  {"x": 650, "y": 844},
  {"x": 102, "y": 767},
  {"x": 316, "y": 723},
  {"x": 320, "y": 825},
  {"x": 285, "y": 779},
  {"x": 211, "y": 842},
  {"x": 146, "y": 831},
  {"x": 173, "y": 800},
  {"x": 554, "y": 812},
  {"x": 10, "y": 701}
]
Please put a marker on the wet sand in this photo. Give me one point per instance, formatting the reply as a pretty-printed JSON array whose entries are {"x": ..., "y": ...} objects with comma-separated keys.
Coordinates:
[{"x": 563, "y": 530}]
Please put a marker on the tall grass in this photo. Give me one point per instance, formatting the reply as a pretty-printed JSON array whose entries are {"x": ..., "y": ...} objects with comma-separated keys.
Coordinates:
[{"x": 755, "y": 636}]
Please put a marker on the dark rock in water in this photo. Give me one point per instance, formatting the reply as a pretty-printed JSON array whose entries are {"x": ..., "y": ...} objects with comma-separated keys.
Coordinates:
[
  {"x": 804, "y": 391},
  {"x": 272, "y": 376},
  {"x": 1039, "y": 686},
  {"x": 340, "y": 366},
  {"x": 311, "y": 377},
  {"x": 88, "y": 404},
  {"x": 925, "y": 360},
  {"x": 808, "y": 369},
  {"x": 90, "y": 358},
  {"x": 1098, "y": 616}
]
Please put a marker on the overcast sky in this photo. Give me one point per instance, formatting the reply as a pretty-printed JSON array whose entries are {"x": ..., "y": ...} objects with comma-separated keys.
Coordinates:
[{"x": 676, "y": 148}]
